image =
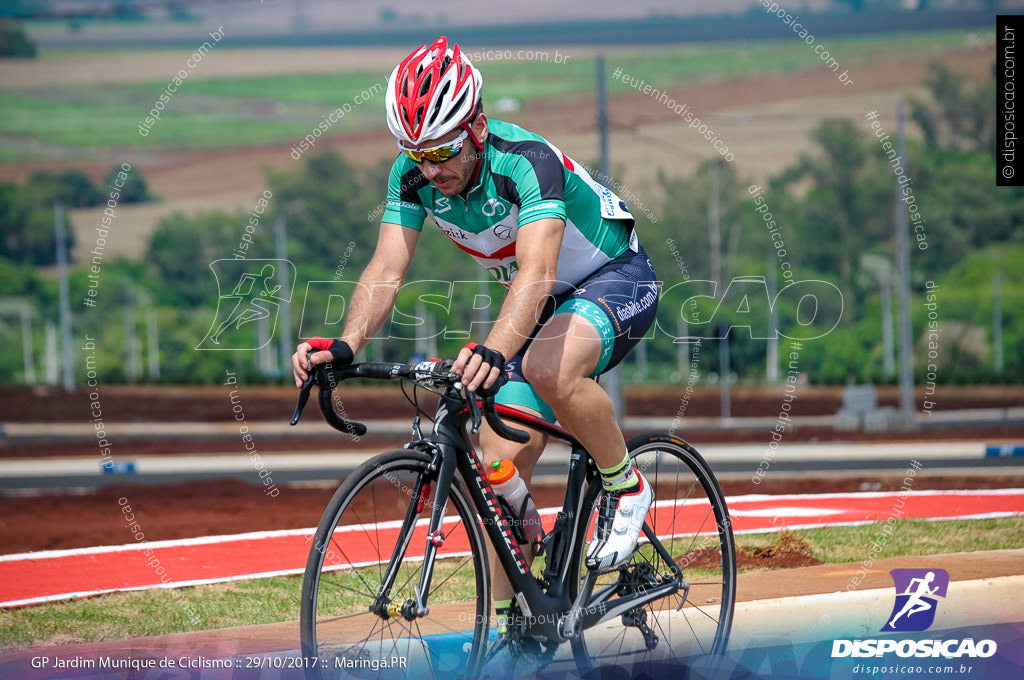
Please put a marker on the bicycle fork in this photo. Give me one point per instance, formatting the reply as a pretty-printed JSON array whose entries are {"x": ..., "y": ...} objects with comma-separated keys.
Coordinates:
[{"x": 415, "y": 608}]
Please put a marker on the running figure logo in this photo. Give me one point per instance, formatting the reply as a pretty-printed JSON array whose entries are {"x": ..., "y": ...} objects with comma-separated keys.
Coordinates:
[
  {"x": 914, "y": 609},
  {"x": 258, "y": 289}
]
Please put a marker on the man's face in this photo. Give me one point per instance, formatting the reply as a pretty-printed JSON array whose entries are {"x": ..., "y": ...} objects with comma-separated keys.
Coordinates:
[{"x": 452, "y": 176}]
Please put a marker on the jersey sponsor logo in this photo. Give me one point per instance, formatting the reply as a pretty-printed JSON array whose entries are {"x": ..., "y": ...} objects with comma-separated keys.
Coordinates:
[
  {"x": 455, "y": 234},
  {"x": 404, "y": 204},
  {"x": 503, "y": 231},
  {"x": 545, "y": 205},
  {"x": 441, "y": 204},
  {"x": 630, "y": 309},
  {"x": 504, "y": 273},
  {"x": 608, "y": 201},
  {"x": 493, "y": 207}
]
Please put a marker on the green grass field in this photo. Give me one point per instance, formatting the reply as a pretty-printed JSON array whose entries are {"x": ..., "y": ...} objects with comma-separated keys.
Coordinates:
[
  {"x": 241, "y": 603},
  {"x": 211, "y": 113}
]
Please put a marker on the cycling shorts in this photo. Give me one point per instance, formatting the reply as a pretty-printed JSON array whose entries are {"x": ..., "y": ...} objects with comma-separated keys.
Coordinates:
[{"x": 619, "y": 299}]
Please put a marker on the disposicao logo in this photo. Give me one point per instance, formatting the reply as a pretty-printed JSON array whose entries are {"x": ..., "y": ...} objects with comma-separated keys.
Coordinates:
[
  {"x": 914, "y": 611},
  {"x": 915, "y": 605}
]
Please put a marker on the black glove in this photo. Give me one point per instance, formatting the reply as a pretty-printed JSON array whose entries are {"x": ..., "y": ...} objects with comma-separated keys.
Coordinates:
[
  {"x": 495, "y": 359},
  {"x": 341, "y": 352}
]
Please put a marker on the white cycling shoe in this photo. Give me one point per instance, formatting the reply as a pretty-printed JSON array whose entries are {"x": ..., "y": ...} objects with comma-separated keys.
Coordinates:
[{"x": 620, "y": 519}]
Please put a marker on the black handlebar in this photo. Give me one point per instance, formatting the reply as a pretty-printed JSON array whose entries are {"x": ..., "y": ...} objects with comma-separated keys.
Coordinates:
[
  {"x": 336, "y": 421},
  {"x": 499, "y": 426},
  {"x": 436, "y": 373}
]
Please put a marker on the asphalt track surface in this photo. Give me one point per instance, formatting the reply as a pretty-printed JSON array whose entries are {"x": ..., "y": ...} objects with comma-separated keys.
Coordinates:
[
  {"x": 28, "y": 477},
  {"x": 31, "y": 476}
]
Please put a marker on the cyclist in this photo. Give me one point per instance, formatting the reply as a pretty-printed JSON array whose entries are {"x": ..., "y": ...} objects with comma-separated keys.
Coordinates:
[{"x": 581, "y": 290}]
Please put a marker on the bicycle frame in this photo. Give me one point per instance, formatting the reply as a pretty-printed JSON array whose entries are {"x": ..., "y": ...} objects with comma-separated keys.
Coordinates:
[{"x": 552, "y": 614}]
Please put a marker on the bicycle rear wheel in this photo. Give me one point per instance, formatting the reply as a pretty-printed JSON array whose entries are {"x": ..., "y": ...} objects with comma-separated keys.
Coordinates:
[
  {"x": 359, "y": 536},
  {"x": 690, "y": 518}
]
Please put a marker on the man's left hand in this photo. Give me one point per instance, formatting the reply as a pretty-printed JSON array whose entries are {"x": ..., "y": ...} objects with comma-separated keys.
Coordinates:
[{"x": 479, "y": 366}]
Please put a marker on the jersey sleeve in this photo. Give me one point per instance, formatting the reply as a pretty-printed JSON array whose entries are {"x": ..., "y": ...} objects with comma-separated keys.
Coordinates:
[
  {"x": 403, "y": 204},
  {"x": 540, "y": 183}
]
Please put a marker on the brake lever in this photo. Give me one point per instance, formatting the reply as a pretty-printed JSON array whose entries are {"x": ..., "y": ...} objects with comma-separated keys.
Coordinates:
[
  {"x": 474, "y": 410},
  {"x": 304, "y": 391}
]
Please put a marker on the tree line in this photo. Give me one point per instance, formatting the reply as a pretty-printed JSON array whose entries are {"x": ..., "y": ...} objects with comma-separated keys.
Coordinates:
[{"x": 833, "y": 210}]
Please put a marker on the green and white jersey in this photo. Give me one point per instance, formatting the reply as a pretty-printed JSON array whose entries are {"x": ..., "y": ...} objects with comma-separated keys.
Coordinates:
[{"x": 523, "y": 178}]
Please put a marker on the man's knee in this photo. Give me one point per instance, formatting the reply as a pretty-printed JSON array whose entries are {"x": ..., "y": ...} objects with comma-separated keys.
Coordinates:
[
  {"x": 544, "y": 376},
  {"x": 498, "y": 448}
]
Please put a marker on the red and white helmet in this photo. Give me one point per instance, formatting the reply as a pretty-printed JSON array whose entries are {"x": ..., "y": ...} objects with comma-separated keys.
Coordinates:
[{"x": 432, "y": 92}]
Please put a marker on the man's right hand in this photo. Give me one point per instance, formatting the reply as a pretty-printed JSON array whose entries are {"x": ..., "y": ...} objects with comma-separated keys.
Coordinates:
[{"x": 337, "y": 352}]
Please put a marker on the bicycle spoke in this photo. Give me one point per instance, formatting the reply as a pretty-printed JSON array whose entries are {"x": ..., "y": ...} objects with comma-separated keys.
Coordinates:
[
  {"x": 426, "y": 649},
  {"x": 696, "y": 637},
  {"x": 412, "y": 572},
  {"x": 355, "y": 570},
  {"x": 700, "y": 609},
  {"x": 685, "y": 486},
  {"x": 373, "y": 505},
  {"x": 346, "y": 616},
  {"x": 341, "y": 586},
  {"x": 449, "y": 576}
]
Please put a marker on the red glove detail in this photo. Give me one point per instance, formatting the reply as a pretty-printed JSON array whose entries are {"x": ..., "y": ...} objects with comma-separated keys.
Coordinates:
[{"x": 321, "y": 344}]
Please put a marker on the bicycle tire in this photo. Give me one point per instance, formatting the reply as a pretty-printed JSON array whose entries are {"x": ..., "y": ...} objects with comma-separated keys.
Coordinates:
[
  {"x": 691, "y": 520},
  {"x": 356, "y": 539}
]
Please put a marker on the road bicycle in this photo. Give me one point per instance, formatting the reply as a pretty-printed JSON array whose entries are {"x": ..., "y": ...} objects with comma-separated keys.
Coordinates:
[{"x": 397, "y": 583}]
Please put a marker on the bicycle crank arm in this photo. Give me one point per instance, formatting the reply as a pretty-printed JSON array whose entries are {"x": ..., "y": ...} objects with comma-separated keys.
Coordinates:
[{"x": 571, "y": 624}]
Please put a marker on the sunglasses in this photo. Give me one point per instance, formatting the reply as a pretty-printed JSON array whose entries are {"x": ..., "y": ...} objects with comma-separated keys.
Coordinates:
[{"x": 439, "y": 153}]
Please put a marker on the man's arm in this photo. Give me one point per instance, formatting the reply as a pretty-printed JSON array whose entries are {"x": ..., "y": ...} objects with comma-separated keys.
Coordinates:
[
  {"x": 537, "y": 248},
  {"x": 373, "y": 298},
  {"x": 375, "y": 295}
]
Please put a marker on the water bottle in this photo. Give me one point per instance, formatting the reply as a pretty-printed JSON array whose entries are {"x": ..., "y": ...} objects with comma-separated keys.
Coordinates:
[{"x": 507, "y": 483}]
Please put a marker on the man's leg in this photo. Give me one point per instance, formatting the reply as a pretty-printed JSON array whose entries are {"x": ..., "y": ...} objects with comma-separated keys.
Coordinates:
[{"x": 558, "y": 365}]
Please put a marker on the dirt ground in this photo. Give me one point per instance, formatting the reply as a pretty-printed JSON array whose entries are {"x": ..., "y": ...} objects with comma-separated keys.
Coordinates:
[
  {"x": 170, "y": 404},
  {"x": 196, "y": 403}
]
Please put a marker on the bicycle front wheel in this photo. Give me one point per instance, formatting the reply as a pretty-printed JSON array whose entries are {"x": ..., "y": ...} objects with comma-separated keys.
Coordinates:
[
  {"x": 371, "y": 541},
  {"x": 690, "y": 518}
]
